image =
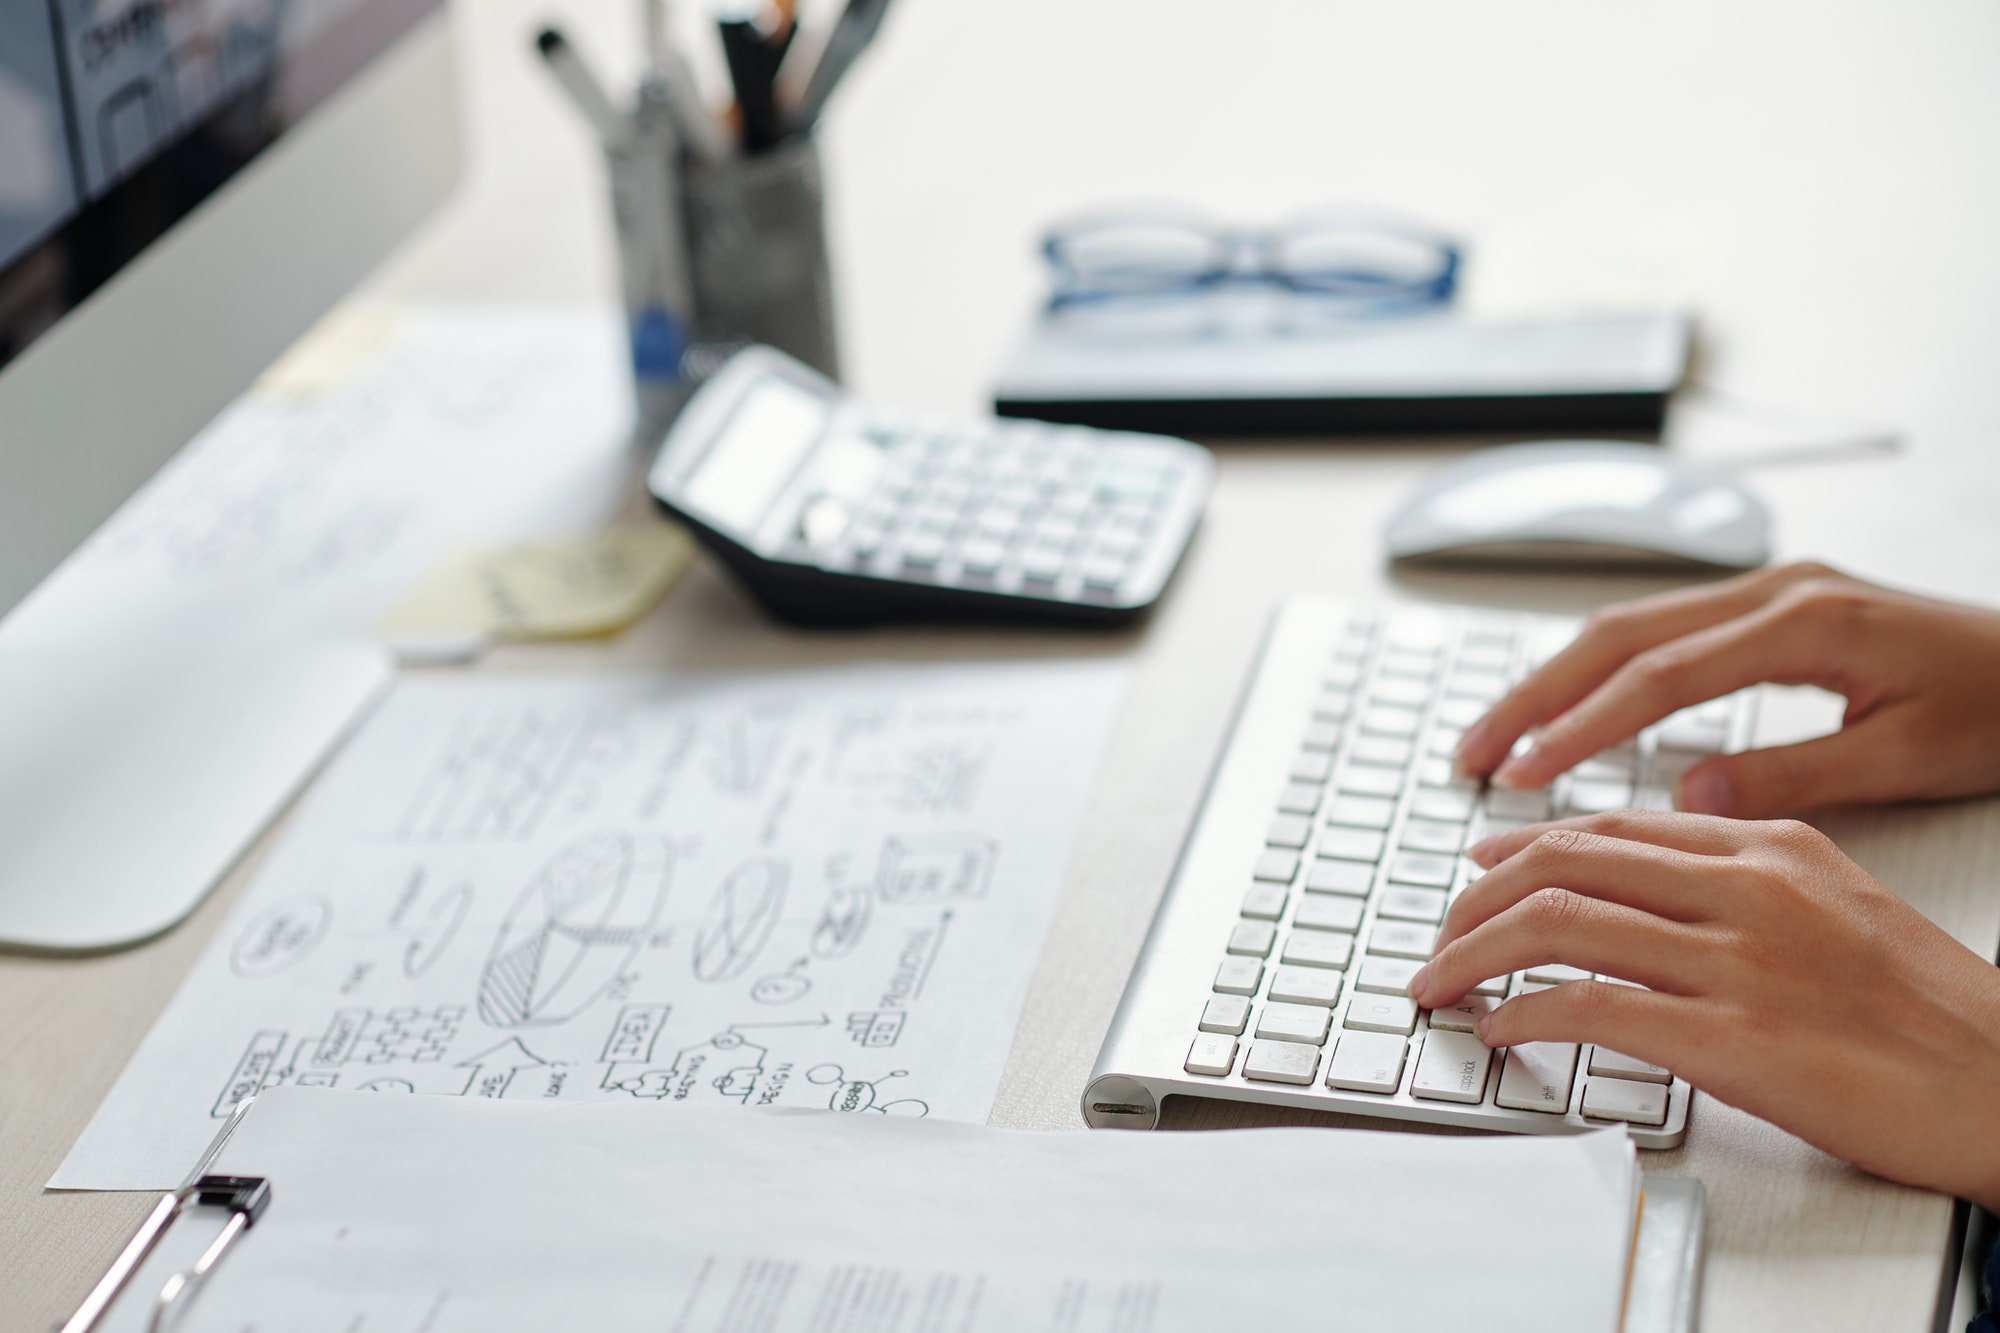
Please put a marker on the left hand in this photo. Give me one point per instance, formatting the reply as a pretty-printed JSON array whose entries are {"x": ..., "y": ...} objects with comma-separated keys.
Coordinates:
[{"x": 1779, "y": 977}]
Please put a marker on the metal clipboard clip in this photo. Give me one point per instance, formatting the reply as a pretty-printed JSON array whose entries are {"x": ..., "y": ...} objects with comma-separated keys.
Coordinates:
[{"x": 246, "y": 1197}]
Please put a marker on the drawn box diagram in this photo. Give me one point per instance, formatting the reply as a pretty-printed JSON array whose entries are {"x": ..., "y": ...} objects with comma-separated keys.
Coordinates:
[
  {"x": 876, "y": 1029},
  {"x": 934, "y": 867},
  {"x": 408, "y": 1034},
  {"x": 633, "y": 1035}
]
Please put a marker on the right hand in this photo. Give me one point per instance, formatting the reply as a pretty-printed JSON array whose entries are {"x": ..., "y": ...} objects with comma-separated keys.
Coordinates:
[{"x": 1921, "y": 679}]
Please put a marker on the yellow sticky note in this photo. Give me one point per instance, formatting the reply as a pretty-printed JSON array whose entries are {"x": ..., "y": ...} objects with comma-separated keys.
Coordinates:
[{"x": 544, "y": 590}]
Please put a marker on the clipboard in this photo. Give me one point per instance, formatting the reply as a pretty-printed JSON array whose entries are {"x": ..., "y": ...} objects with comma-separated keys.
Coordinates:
[{"x": 246, "y": 1198}]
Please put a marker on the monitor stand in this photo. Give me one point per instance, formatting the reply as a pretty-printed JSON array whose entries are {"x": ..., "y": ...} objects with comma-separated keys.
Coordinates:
[{"x": 131, "y": 781}]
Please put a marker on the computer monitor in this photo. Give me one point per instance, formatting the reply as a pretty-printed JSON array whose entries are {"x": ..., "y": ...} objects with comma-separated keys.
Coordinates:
[{"x": 184, "y": 188}]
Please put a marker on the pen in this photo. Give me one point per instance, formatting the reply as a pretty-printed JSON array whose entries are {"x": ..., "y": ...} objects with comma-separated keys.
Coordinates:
[
  {"x": 857, "y": 27},
  {"x": 753, "y": 55},
  {"x": 613, "y": 128}
]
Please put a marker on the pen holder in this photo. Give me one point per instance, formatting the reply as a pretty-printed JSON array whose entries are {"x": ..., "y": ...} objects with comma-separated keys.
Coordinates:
[{"x": 756, "y": 226}]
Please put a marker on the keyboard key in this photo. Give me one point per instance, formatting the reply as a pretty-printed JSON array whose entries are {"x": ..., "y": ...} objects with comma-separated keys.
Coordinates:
[
  {"x": 1427, "y": 868},
  {"x": 1281, "y": 1062},
  {"x": 1312, "y": 766},
  {"x": 1382, "y": 751},
  {"x": 1687, "y": 730},
  {"x": 1299, "y": 798},
  {"x": 1362, "y": 781},
  {"x": 1486, "y": 686},
  {"x": 1212, "y": 1055},
  {"x": 1433, "y": 835},
  {"x": 1442, "y": 741},
  {"x": 1266, "y": 902},
  {"x": 1528, "y": 806},
  {"x": 1607, "y": 766},
  {"x": 1537, "y": 1077},
  {"x": 1330, "y": 876},
  {"x": 1293, "y": 1022},
  {"x": 1491, "y": 986},
  {"x": 1382, "y": 1013},
  {"x": 1382, "y": 720},
  {"x": 1451, "y": 1068},
  {"x": 1342, "y": 674},
  {"x": 1402, "y": 939},
  {"x": 1463, "y": 1016},
  {"x": 1322, "y": 736},
  {"x": 1352, "y": 844},
  {"x": 1402, "y": 661},
  {"x": 1226, "y": 1013},
  {"x": 1404, "y": 903},
  {"x": 1622, "y": 1099},
  {"x": 1276, "y": 866},
  {"x": 1367, "y": 1062},
  {"x": 1325, "y": 911},
  {"x": 1556, "y": 974},
  {"x": 1386, "y": 976},
  {"x": 1239, "y": 976},
  {"x": 1293, "y": 831},
  {"x": 1402, "y": 690},
  {"x": 1438, "y": 772},
  {"x": 1305, "y": 985},
  {"x": 1442, "y": 804},
  {"x": 1253, "y": 939},
  {"x": 1333, "y": 706},
  {"x": 1610, "y": 1064},
  {"x": 1318, "y": 948},
  {"x": 1596, "y": 797},
  {"x": 1362, "y": 812},
  {"x": 1493, "y": 657}
]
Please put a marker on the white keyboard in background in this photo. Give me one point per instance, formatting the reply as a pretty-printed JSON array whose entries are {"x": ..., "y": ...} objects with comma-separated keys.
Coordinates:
[{"x": 1312, "y": 884}]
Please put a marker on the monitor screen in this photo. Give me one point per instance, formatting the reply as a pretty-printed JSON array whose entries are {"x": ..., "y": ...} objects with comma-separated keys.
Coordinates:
[{"x": 118, "y": 117}]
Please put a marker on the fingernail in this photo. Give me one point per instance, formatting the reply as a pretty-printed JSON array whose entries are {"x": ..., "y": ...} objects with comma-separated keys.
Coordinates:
[
  {"x": 1484, "y": 1021},
  {"x": 1484, "y": 851},
  {"x": 1508, "y": 775},
  {"x": 1417, "y": 982},
  {"x": 1705, "y": 792}
]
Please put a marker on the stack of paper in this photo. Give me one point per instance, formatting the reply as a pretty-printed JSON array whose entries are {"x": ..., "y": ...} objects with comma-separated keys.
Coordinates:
[{"x": 445, "y": 1213}]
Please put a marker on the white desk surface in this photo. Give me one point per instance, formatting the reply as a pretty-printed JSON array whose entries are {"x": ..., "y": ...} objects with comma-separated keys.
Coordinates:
[{"x": 1842, "y": 154}]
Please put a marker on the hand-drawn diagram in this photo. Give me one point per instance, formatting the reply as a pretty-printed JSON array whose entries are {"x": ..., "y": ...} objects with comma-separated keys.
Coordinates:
[
  {"x": 742, "y": 915},
  {"x": 857, "y": 1094},
  {"x": 783, "y": 987},
  {"x": 436, "y": 930},
  {"x": 935, "y": 867},
  {"x": 878, "y": 1029},
  {"x": 280, "y": 936},
  {"x": 560, "y": 890},
  {"x": 574, "y": 929}
]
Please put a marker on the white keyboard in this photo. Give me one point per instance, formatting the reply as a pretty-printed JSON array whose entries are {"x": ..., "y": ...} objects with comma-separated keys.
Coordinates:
[{"x": 1325, "y": 854}]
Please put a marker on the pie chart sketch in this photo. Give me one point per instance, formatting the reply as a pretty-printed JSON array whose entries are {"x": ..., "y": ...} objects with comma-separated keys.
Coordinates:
[
  {"x": 577, "y": 925},
  {"x": 741, "y": 918}
]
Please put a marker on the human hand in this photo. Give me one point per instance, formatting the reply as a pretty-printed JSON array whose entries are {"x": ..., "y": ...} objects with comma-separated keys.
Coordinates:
[
  {"x": 1781, "y": 978},
  {"x": 1921, "y": 679}
]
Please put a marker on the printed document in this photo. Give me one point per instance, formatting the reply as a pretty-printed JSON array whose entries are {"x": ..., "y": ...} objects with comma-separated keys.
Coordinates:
[
  {"x": 442, "y": 1214},
  {"x": 815, "y": 889}
]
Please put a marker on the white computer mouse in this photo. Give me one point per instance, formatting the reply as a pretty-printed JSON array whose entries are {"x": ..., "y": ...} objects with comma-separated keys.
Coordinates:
[{"x": 1581, "y": 502}]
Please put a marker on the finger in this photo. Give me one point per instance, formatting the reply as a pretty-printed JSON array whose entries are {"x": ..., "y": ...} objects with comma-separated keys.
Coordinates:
[
  {"x": 1660, "y": 880},
  {"x": 1608, "y": 640},
  {"x": 1770, "y": 643},
  {"x": 1697, "y": 832},
  {"x": 1862, "y": 764},
  {"x": 1646, "y": 1025},
  {"x": 1575, "y": 929}
]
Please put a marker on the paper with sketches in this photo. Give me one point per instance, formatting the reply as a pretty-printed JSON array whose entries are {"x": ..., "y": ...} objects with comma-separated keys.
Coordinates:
[
  {"x": 439, "y": 1214},
  {"x": 312, "y": 503},
  {"x": 566, "y": 589},
  {"x": 822, "y": 888}
]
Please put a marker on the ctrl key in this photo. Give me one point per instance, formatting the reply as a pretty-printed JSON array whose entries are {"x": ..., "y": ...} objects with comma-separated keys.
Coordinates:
[
  {"x": 1212, "y": 1055},
  {"x": 1622, "y": 1099},
  {"x": 1281, "y": 1062}
]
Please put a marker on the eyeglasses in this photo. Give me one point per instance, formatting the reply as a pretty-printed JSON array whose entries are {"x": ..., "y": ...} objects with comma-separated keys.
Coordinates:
[{"x": 1364, "y": 264}]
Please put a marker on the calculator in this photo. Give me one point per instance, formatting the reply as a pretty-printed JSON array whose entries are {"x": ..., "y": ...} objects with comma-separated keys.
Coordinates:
[{"x": 835, "y": 511}]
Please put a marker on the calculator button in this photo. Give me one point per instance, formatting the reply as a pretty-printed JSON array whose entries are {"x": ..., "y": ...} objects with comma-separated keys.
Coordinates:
[
  {"x": 1103, "y": 574},
  {"x": 823, "y": 522},
  {"x": 982, "y": 556}
]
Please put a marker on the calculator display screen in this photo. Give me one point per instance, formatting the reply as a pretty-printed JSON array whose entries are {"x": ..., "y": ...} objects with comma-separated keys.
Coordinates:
[{"x": 759, "y": 448}]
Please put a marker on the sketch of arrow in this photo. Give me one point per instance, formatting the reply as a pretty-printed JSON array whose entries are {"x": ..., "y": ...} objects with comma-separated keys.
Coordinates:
[{"x": 822, "y": 1021}]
